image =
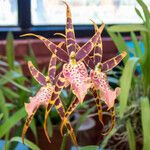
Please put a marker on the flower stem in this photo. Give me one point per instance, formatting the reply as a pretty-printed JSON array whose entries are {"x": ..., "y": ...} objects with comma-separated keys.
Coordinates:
[{"x": 64, "y": 140}]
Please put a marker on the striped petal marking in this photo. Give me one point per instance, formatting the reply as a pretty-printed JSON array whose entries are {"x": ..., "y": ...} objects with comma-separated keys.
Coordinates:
[
  {"x": 38, "y": 76},
  {"x": 98, "y": 49},
  {"x": 52, "y": 68},
  {"x": 60, "y": 53},
  {"x": 98, "y": 105},
  {"x": 70, "y": 35},
  {"x": 85, "y": 50},
  {"x": 113, "y": 62}
]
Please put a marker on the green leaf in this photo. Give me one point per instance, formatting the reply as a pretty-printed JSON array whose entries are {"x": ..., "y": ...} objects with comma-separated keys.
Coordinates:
[
  {"x": 145, "y": 61},
  {"x": 106, "y": 139},
  {"x": 83, "y": 117},
  {"x": 10, "y": 94},
  {"x": 139, "y": 14},
  {"x": 131, "y": 136},
  {"x": 125, "y": 83},
  {"x": 50, "y": 127},
  {"x": 27, "y": 143},
  {"x": 11, "y": 75},
  {"x": 34, "y": 129},
  {"x": 91, "y": 147},
  {"x": 1, "y": 116},
  {"x": 136, "y": 45},
  {"x": 31, "y": 56},
  {"x": 10, "y": 50},
  {"x": 16, "y": 84},
  {"x": 145, "y": 41},
  {"x": 145, "y": 111},
  {"x": 3, "y": 108},
  {"x": 12, "y": 121},
  {"x": 127, "y": 28},
  {"x": 10, "y": 106},
  {"x": 120, "y": 43},
  {"x": 146, "y": 12},
  {"x": 123, "y": 46}
]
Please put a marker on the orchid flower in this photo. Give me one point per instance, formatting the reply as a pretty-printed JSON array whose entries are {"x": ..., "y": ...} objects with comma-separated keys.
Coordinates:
[
  {"x": 100, "y": 81},
  {"x": 43, "y": 96},
  {"x": 74, "y": 71}
]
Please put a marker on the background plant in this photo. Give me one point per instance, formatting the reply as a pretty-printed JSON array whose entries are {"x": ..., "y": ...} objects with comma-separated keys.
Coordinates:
[
  {"x": 134, "y": 99},
  {"x": 13, "y": 94}
]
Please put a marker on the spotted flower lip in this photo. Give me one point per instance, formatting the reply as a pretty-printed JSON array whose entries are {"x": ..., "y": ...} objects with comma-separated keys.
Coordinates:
[
  {"x": 31, "y": 106},
  {"x": 40, "y": 99},
  {"x": 77, "y": 76},
  {"x": 100, "y": 82},
  {"x": 109, "y": 96}
]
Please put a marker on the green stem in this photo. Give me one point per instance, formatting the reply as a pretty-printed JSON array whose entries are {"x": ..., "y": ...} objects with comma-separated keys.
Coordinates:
[{"x": 64, "y": 140}]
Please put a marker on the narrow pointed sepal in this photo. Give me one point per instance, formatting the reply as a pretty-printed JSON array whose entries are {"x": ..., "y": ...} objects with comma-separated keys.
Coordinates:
[
  {"x": 50, "y": 105},
  {"x": 113, "y": 62},
  {"x": 38, "y": 76},
  {"x": 113, "y": 120},
  {"x": 88, "y": 47},
  {"x": 28, "y": 122},
  {"x": 98, "y": 49},
  {"x": 89, "y": 62},
  {"x": 59, "y": 84},
  {"x": 69, "y": 111},
  {"x": 61, "y": 112},
  {"x": 72, "y": 134},
  {"x": 98, "y": 105},
  {"x": 70, "y": 35},
  {"x": 60, "y": 53},
  {"x": 52, "y": 68}
]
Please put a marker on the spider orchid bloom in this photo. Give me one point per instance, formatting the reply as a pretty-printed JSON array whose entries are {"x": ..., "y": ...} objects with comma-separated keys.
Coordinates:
[
  {"x": 74, "y": 70},
  {"x": 99, "y": 80},
  {"x": 43, "y": 96}
]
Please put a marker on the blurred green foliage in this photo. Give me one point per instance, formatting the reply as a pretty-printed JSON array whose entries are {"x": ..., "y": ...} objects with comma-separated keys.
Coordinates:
[{"x": 134, "y": 100}]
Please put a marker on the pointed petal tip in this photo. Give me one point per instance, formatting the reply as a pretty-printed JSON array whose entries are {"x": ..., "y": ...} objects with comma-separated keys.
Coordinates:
[
  {"x": 62, "y": 125},
  {"x": 92, "y": 21},
  {"x": 32, "y": 34},
  {"x": 27, "y": 34},
  {"x": 29, "y": 63},
  {"x": 101, "y": 28},
  {"x": 124, "y": 53},
  {"x": 65, "y": 3},
  {"x": 45, "y": 126},
  {"x": 60, "y": 34},
  {"x": 94, "y": 24}
]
